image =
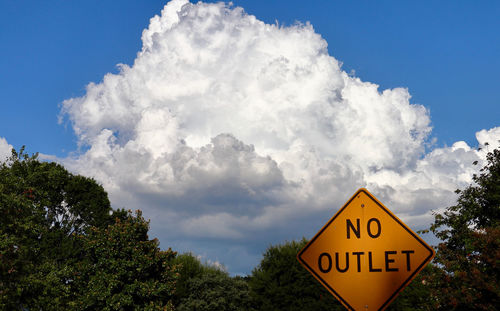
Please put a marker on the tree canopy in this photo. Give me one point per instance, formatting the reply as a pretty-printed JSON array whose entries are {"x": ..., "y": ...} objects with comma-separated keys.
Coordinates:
[
  {"x": 121, "y": 269},
  {"x": 281, "y": 283},
  {"x": 469, "y": 255},
  {"x": 62, "y": 247},
  {"x": 205, "y": 287}
]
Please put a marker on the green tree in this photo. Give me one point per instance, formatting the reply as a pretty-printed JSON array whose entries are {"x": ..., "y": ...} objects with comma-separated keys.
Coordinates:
[
  {"x": 470, "y": 250},
  {"x": 204, "y": 287},
  {"x": 189, "y": 267},
  {"x": 216, "y": 292},
  {"x": 121, "y": 269},
  {"x": 281, "y": 283},
  {"x": 49, "y": 220},
  {"x": 41, "y": 206}
]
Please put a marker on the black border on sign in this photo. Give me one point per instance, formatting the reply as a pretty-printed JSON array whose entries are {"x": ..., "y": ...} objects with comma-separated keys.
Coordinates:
[{"x": 403, "y": 285}]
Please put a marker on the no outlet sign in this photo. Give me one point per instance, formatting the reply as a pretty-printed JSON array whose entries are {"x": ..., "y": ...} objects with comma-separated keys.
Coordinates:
[{"x": 365, "y": 255}]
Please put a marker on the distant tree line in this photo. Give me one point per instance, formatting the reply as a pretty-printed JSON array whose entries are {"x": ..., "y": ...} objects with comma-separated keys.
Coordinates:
[{"x": 62, "y": 247}]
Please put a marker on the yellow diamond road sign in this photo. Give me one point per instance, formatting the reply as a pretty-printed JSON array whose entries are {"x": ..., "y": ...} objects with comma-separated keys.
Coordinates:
[{"x": 365, "y": 255}]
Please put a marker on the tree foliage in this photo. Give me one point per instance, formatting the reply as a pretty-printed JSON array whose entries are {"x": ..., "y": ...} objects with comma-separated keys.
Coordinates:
[
  {"x": 41, "y": 206},
  {"x": 121, "y": 269},
  {"x": 204, "y": 287},
  {"x": 62, "y": 247},
  {"x": 216, "y": 292},
  {"x": 281, "y": 283},
  {"x": 470, "y": 252}
]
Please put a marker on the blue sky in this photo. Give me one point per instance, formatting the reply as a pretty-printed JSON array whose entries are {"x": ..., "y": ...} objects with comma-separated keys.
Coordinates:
[
  {"x": 444, "y": 52},
  {"x": 274, "y": 136}
]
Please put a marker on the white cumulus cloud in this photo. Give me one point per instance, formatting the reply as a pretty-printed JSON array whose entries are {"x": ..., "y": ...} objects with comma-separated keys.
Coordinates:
[
  {"x": 231, "y": 134},
  {"x": 5, "y": 149}
]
